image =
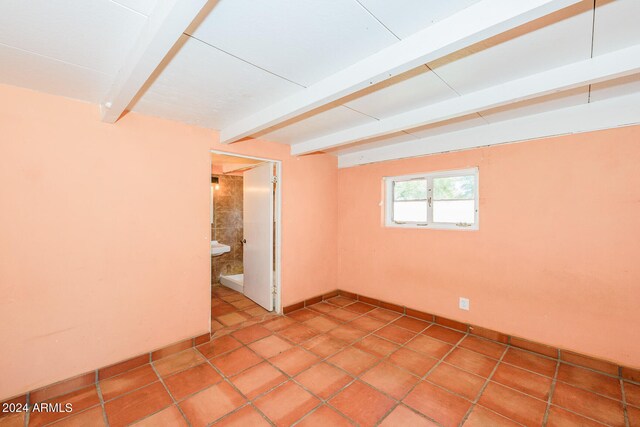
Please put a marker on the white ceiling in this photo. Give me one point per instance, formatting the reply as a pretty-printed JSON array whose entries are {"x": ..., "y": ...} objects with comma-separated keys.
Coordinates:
[{"x": 246, "y": 55}]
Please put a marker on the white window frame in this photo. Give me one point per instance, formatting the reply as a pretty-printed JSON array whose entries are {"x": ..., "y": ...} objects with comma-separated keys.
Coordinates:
[{"x": 388, "y": 200}]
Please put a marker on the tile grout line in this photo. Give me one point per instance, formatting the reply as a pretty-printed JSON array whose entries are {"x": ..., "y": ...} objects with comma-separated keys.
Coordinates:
[
  {"x": 28, "y": 414},
  {"x": 320, "y": 359},
  {"x": 475, "y": 401},
  {"x": 225, "y": 378},
  {"x": 342, "y": 322},
  {"x": 423, "y": 377},
  {"x": 170, "y": 395},
  {"x": 104, "y": 411},
  {"x": 624, "y": 404},
  {"x": 552, "y": 390}
]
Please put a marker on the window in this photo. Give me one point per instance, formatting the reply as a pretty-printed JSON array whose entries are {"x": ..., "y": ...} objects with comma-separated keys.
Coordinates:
[{"x": 443, "y": 200}]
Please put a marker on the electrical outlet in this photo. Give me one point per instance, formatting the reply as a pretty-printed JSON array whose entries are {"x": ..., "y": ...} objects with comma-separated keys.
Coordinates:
[{"x": 464, "y": 304}]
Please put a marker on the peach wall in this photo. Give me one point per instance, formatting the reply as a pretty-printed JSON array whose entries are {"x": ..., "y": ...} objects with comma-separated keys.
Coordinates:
[
  {"x": 556, "y": 256},
  {"x": 104, "y": 233}
]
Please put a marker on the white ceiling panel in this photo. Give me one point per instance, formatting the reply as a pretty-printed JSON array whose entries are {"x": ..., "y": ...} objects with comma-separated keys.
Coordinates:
[
  {"x": 405, "y": 17},
  {"x": 551, "y": 102},
  {"x": 301, "y": 40},
  {"x": 206, "y": 87},
  {"x": 616, "y": 25},
  {"x": 96, "y": 34},
  {"x": 558, "y": 39},
  {"x": 320, "y": 124},
  {"x": 614, "y": 88},
  {"x": 406, "y": 92},
  {"x": 144, "y": 7},
  {"x": 25, "y": 69}
]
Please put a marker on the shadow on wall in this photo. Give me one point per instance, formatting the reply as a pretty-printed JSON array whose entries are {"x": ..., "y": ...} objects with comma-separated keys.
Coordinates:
[{"x": 227, "y": 226}]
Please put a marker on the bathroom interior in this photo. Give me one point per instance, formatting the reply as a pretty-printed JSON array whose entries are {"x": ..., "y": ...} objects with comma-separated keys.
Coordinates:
[{"x": 243, "y": 226}]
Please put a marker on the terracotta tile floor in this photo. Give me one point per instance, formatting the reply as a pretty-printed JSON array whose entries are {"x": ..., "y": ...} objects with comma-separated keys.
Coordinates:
[{"x": 342, "y": 362}]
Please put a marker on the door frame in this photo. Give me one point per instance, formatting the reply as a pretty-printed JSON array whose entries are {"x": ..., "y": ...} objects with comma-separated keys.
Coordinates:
[{"x": 277, "y": 276}]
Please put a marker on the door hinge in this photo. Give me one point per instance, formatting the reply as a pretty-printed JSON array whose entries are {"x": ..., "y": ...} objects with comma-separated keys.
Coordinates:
[{"x": 274, "y": 179}]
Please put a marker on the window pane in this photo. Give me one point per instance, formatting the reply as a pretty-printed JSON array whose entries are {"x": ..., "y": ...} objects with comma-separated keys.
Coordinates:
[
  {"x": 454, "y": 187},
  {"x": 454, "y": 211},
  {"x": 416, "y": 189},
  {"x": 410, "y": 211}
]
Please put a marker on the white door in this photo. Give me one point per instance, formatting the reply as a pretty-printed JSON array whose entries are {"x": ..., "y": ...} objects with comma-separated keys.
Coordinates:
[{"x": 258, "y": 234}]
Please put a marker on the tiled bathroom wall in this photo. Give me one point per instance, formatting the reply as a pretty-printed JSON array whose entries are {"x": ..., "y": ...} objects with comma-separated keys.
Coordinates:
[{"x": 227, "y": 226}]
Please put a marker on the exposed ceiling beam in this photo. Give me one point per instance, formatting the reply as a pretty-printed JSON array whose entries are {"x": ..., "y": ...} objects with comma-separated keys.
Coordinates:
[
  {"x": 604, "y": 67},
  {"x": 162, "y": 30},
  {"x": 476, "y": 23},
  {"x": 605, "y": 114}
]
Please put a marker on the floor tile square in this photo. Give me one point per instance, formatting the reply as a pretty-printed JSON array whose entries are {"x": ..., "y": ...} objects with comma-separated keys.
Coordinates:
[
  {"x": 437, "y": 404},
  {"x": 531, "y": 362},
  {"x": 286, "y": 404},
  {"x": 376, "y": 346},
  {"x": 192, "y": 380},
  {"x": 456, "y": 380},
  {"x": 590, "y": 380},
  {"x": 324, "y": 345},
  {"x": 591, "y": 405},
  {"x": 343, "y": 315},
  {"x": 359, "y": 307},
  {"x": 128, "y": 381},
  {"x": 429, "y": 346},
  {"x": 178, "y": 362},
  {"x": 353, "y": 361},
  {"x": 219, "y": 346},
  {"x": 479, "y": 345},
  {"x": 324, "y": 417},
  {"x": 278, "y": 323},
  {"x": 80, "y": 399},
  {"x": 404, "y": 416},
  {"x": 347, "y": 333},
  {"x": 471, "y": 361},
  {"x": 632, "y": 393},
  {"x": 321, "y": 323},
  {"x": 323, "y": 380},
  {"x": 231, "y": 319},
  {"x": 414, "y": 325},
  {"x": 559, "y": 417},
  {"x": 270, "y": 346},
  {"x": 483, "y": 417},
  {"x": 395, "y": 334},
  {"x": 414, "y": 362},
  {"x": 245, "y": 417},
  {"x": 212, "y": 403},
  {"x": 170, "y": 416},
  {"x": 513, "y": 404},
  {"x": 443, "y": 334},
  {"x": 298, "y": 333},
  {"x": 136, "y": 405},
  {"x": 384, "y": 315},
  {"x": 366, "y": 323},
  {"x": 237, "y": 361},
  {"x": 302, "y": 315},
  {"x": 340, "y": 301},
  {"x": 322, "y": 307},
  {"x": 93, "y": 417},
  {"x": 258, "y": 379},
  {"x": 526, "y": 382},
  {"x": 390, "y": 379},
  {"x": 362, "y": 403},
  {"x": 294, "y": 360},
  {"x": 251, "y": 333}
]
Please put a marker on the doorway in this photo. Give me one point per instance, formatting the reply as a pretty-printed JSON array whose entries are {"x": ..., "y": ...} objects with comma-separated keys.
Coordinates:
[{"x": 245, "y": 227}]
